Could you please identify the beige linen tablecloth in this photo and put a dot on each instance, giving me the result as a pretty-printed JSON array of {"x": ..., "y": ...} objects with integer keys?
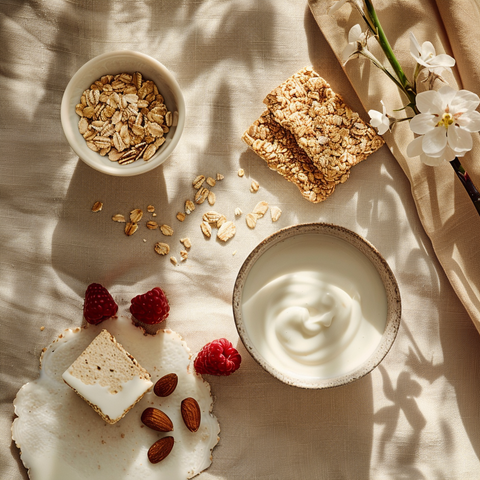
[{"x": 416, "y": 416}]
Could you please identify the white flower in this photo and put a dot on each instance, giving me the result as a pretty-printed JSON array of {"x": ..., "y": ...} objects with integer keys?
[
  {"x": 357, "y": 40},
  {"x": 379, "y": 120},
  {"x": 425, "y": 55},
  {"x": 358, "y": 4},
  {"x": 445, "y": 124}
]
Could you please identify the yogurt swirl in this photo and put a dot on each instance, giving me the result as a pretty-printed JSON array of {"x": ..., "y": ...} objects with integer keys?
[{"x": 309, "y": 324}]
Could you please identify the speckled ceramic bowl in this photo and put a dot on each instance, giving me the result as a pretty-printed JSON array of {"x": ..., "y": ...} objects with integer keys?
[
  {"x": 286, "y": 244},
  {"x": 119, "y": 62}
]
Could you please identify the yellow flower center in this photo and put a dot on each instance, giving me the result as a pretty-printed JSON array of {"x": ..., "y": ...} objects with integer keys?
[{"x": 446, "y": 121}]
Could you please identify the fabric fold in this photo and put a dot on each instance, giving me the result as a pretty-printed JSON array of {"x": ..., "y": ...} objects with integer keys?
[{"x": 444, "y": 207}]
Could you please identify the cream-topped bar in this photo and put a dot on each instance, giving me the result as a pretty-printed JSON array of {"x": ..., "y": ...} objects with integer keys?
[{"x": 108, "y": 378}]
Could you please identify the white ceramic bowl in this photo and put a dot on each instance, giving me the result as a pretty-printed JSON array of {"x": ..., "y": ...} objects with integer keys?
[
  {"x": 343, "y": 259},
  {"x": 113, "y": 63}
]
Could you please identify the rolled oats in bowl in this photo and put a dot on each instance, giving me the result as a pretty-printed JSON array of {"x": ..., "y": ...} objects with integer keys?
[
  {"x": 123, "y": 113},
  {"x": 123, "y": 116}
]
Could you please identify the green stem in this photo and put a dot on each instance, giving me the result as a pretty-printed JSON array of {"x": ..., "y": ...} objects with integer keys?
[
  {"x": 398, "y": 120},
  {"x": 418, "y": 68},
  {"x": 387, "y": 49},
  {"x": 373, "y": 59}
]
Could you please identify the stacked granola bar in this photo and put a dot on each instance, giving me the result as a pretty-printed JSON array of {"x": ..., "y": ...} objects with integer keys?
[{"x": 309, "y": 136}]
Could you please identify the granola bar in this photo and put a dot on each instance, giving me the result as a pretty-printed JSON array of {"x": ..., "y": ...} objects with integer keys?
[
  {"x": 330, "y": 133},
  {"x": 278, "y": 147}
]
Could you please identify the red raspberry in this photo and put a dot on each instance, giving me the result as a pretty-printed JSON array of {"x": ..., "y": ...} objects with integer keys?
[
  {"x": 151, "y": 307},
  {"x": 217, "y": 358},
  {"x": 99, "y": 304}
]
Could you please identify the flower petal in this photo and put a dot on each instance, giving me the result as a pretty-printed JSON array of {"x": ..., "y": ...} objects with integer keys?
[
  {"x": 384, "y": 107},
  {"x": 348, "y": 52},
  {"x": 428, "y": 50},
  {"x": 415, "y": 49},
  {"x": 464, "y": 101},
  {"x": 375, "y": 116},
  {"x": 459, "y": 140},
  {"x": 430, "y": 102},
  {"x": 422, "y": 123},
  {"x": 447, "y": 94},
  {"x": 469, "y": 121},
  {"x": 414, "y": 148},
  {"x": 448, "y": 155},
  {"x": 355, "y": 33},
  {"x": 441, "y": 60},
  {"x": 379, "y": 120},
  {"x": 432, "y": 161},
  {"x": 434, "y": 141}
]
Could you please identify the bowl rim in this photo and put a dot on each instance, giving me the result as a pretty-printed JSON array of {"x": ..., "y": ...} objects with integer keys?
[
  {"x": 394, "y": 304},
  {"x": 114, "y": 169}
]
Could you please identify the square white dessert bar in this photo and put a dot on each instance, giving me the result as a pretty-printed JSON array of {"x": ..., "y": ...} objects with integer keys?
[{"x": 108, "y": 378}]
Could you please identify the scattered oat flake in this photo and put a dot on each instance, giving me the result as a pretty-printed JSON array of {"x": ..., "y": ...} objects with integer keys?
[
  {"x": 251, "y": 219},
  {"x": 186, "y": 242},
  {"x": 189, "y": 207},
  {"x": 161, "y": 248},
  {"x": 226, "y": 231},
  {"x": 151, "y": 225},
  {"x": 211, "y": 181},
  {"x": 130, "y": 228},
  {"x": 184, "y": 255},
  {"x": 154, "y": 214},
  {"x": 136, "y": 215},
  {"x": 118, "y": 218},
  {"x": 173, "y": 260},
  {"x": 234, "y": 252},
  {"x": 150, "y": 208},
  {"x": 241, "y": 172},
  {"x": 220, "y": 176},
  {"x": 254, "y": 186},
  {"x": 211, "y": 198},
  {"x": 260, "y": 209},
  {"x": 275, "y": 212},
  {"x": 221, "y": 221},
  {"x": 211, "y": 216},
  {"x": 201, "y": 195},
  {"x": 198, "y": 182},
  {"x": 180, "y": 216},
  {"x": 206, "y": 229},
  {"x": 238, "y": 211},
  {"x": 42, "y": 328},
  {"x": 97, "y": 206},
  {"x": 166, "y": 230}
]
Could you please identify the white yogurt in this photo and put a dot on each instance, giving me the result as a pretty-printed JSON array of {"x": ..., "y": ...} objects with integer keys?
[{"x": 314, "y": 306}]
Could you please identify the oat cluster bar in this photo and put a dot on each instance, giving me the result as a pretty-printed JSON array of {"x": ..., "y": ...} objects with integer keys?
[{"x": 310, "y": 136}]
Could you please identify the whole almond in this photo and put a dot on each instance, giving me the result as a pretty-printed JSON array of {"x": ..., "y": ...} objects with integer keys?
[
  {"x": 191, "y": 414},
  {"x": 157, "y": 420},
  {"x": 166, "y": 385},
  {"x": 160, "y": 449}
]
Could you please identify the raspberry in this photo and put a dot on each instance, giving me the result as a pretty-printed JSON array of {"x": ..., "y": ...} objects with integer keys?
[
  {"x": 99, "y": 304},
  {"x": 151, "y": 307},
  {"x": 217, "y": 358}
]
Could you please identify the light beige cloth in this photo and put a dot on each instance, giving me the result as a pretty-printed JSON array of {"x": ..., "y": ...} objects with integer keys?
[
  {"x": 444, "y": 208},
  {"x": 416, "y": 416}
]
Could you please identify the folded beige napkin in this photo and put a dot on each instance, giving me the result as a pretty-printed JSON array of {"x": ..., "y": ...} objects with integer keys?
[{"x": 445, "y": 210}]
